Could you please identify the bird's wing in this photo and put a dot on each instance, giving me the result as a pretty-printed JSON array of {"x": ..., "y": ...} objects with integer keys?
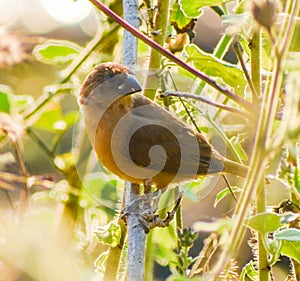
[{"x": 162, "y": 140}]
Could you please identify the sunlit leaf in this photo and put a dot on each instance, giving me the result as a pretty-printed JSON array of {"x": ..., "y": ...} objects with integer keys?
[
  {"x": 264, "y": 222},
  {"x": 289, "y": 217},
  {"x": 4, "y": 104},
  {"x": 56, "y": 51},
  {"x": 11, "y": 103},
  {"x": 213, "y": 67},
  {"x": 295, "y": 44},
  {"x": 193, "y": 8},
  {"x": 217, "y": 226},
  {"x": 109, "y": 234},
  {"x": 291, "y": 249},
  {"x": 225, "y": 192},
  {"x": 52, "y": 120},
  {"x": 250, "y": 272},
  {"x": 100, "y": 262},
  {"x": 177, "y": 16},
  {"x": 290, "y": 234},
  {"x": 48, "y": 118},
  {"x": 101, "y": 190}
]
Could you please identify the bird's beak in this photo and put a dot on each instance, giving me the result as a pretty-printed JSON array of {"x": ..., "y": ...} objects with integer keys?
[{"x": 129, "y": 86}]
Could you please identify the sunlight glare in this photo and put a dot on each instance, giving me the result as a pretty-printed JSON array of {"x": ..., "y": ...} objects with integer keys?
[
  {"x": 67, "y": 11},
  {"x": 8, "y": 12}
]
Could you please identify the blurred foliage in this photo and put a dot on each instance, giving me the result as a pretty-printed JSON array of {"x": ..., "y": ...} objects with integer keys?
[{"x": 59, "y": 207}]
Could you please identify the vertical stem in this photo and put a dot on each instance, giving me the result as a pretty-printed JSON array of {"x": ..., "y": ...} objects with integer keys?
[
  {"x": 161, "y": 22},
  {"x": 263, "y": 264},
  {"x": 136, "y": 235},
  {"x": 255, "y": 64}
]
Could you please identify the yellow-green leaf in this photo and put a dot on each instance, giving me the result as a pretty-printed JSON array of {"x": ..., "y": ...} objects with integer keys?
[{"x": 214, "y": 67}]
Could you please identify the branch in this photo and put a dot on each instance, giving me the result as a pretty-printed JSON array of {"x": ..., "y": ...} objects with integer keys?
[
  {"x": 136, "y": 236},
  {"x": 215, "y": 104}
]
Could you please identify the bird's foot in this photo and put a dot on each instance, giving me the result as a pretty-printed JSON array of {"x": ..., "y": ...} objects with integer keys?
[
  {"x": 152, "y": 220},
  {"x": 145, "y": 205}
]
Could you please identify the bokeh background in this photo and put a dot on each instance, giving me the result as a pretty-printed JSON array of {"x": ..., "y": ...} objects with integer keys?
[{"x": 35, "y": 247}]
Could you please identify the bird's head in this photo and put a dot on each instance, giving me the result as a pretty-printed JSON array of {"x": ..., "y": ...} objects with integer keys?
[{"x": 108, "y": 81}]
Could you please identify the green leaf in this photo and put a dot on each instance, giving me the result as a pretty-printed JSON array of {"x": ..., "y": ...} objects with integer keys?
[
  {"x": 193, "y": 8},
  {"x": 225, "y": 192},
  {"x": 291, "y": 249},
  {"x": 11, "y": 103},
  {"x": 103, "y": 190},
  {"x": 295, "y": 44},
  {"x": 290, "y": 234},
  {"x": 109, "y": 234},
  {"x": 177, "y": 16},
  {"x": 211, "y": 66},
  {"x": 249, "y": 271},
  {"x": 289, "y": 217},
  {"x": 4, "y": 103},
  {"x": 48, "y": 118},
  {"x": 264, "y": 222},
  {"x": 100, "y": 262},
  {"x": 52, "y": 120},
  {"x": 56, "y": 51},
  {"x": 218, "y": 226}
]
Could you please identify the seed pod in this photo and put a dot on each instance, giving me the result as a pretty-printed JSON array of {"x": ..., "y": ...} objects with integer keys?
[{"x": 264, "y": 12}]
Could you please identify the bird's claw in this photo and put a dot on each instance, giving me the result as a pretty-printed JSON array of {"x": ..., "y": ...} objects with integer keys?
[
  {"x": 145, "y": 207},
  {"x": 152, "y": 220}
]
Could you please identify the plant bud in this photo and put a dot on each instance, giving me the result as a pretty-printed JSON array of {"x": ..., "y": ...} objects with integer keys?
[{"x": 263, "y": 12}]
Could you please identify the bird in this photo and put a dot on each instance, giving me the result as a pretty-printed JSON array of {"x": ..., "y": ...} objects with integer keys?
[{"x": 138, "y": 140}]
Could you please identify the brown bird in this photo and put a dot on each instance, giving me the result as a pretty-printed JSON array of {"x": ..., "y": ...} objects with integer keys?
[{"x": 137, "y": 139}]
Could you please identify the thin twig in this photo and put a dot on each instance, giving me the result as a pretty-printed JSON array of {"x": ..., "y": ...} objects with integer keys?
[
  {"x": 183, "y": 104},
  {"x": 238, "y": 52},
  {"x": 215, "y": 104},
  {"x": 32, "y": 180},
  {"x": 24, "y": 195}
]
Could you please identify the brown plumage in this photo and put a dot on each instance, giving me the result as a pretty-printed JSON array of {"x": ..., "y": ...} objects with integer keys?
[{"x": 136, "y": 139}]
